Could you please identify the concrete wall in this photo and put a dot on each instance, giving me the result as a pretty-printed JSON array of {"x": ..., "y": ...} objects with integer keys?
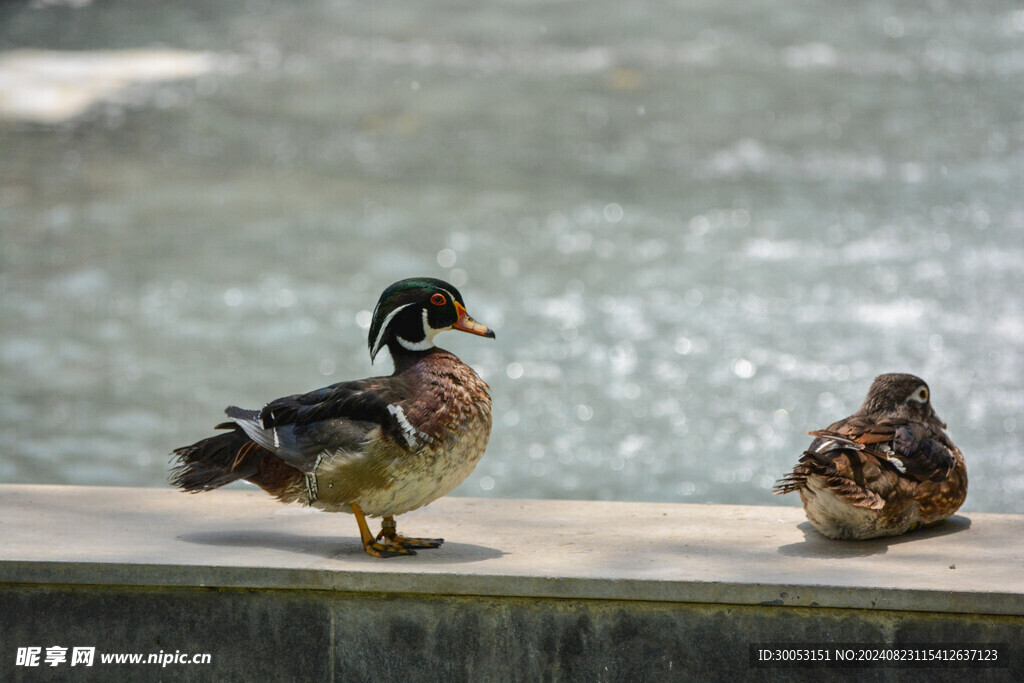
[
  {"x": 325, "y": 635},
  {"x": 580, "y": 597}
]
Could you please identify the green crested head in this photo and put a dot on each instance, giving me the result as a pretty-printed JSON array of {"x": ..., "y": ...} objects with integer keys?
[{"x": 411, "y": 312}]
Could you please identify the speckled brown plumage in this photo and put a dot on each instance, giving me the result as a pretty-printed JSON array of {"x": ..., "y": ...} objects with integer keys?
[{"x": 886, "y": 469}]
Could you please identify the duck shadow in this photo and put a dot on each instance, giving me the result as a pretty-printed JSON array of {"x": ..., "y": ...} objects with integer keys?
[
  {"x": 337, "y": 547},
  {"x": 819, "y": 546}
]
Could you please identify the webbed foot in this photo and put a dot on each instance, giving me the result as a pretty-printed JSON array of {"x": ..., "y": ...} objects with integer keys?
[
  {"x": 407, "y": 542},
  {"x": 387, "y": 549},
  {"x": 389, "y": 531},
  {"x": 382, "y": 546}
]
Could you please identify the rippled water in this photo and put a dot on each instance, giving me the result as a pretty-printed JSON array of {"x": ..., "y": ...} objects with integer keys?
[{"x": 699, "y": 229}]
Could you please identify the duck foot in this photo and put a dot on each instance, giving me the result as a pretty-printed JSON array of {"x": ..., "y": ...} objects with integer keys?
[
  {"x": 389, "y": 531},
  {"x": 410, "y": 543},
  {"x": 387, "y": 549},
  {"x": 382, "y": 546}
]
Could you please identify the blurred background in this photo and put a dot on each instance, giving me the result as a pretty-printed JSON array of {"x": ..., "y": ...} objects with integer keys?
[{"x": 698, "y": 228}]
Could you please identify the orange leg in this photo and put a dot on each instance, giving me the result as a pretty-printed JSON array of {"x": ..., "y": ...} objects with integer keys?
[
  {"x": 389, "y": 530},
  {"x": 373, "y": 546}
]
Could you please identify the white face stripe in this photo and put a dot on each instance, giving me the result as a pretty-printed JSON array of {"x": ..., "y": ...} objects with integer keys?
[
  {"x": 428, "y": 332},
  {"x": 384, "y": 328},
  {"x": 451, "y": 297}
]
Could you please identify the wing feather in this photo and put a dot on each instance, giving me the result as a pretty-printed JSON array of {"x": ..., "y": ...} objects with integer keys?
[
  {"x": 335, "y": 419},
  {"x": 865, "y": 461}
]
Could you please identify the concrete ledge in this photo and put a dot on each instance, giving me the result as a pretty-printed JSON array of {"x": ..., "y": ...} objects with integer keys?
[
  {"x": 508, "y": 548},
  {"x": 152, "y": 569}
]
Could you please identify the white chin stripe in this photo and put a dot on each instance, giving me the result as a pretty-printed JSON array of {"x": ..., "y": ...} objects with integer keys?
[
  {"x": 428, "y": 337},
  {"x": 415, "y": 346}
]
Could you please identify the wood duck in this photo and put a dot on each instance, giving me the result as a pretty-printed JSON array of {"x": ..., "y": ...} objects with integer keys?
[
  {"x": 885, "y": 470},
  {"x": 375, "y": 447}
]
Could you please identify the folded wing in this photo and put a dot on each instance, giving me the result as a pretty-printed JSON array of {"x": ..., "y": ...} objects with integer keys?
[{"x": 336, "y": 420}]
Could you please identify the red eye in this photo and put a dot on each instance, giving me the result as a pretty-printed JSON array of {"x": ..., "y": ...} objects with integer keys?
[{"x": 438, "y": 300}]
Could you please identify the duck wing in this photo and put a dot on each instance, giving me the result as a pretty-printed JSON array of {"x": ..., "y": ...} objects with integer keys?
[
  {"x": 338, "y": 419},
  {"x": 850, "y": 459},
  {"x": 865, "y": 461}
]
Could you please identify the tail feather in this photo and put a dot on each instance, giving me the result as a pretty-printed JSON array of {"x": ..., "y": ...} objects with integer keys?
[
  {"x": 216, "y": 461},
  {"x": 222, "y": 459},
  {"x": 236, "y": 413},
  {"x": 794, "y": 481}
]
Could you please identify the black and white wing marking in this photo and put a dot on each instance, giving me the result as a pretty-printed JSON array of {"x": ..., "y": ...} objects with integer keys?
[{"x": 300, "y": 428}]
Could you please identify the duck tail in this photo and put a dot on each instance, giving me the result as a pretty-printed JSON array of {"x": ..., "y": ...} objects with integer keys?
[
  {"x": 794, "y": 481},
  {"x": 216, "y": 461}
]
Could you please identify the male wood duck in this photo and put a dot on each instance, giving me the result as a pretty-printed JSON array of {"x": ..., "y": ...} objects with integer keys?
[
  {"x": 885, "y": 470},
  {"x": 375, "y": 447}
]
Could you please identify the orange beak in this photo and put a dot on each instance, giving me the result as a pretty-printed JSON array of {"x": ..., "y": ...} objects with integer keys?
[{"x": 467, "y": 324}]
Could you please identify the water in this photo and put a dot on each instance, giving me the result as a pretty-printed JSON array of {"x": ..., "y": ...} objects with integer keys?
[{"x": 698, "y": 229}]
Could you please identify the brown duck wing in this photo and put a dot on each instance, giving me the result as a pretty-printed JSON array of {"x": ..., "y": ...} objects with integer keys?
[
  {"x": 934, "y": 467},
  {"x": 923, "y": 449},
  {"x": 868, "y": 462},
  {"x": 859, "y": 477},
  {"x": 859, "y": 429},
  {"x": 926, "y": 451},
  {"x": 939, "y": 499},
  {"x": 849, "y": 457}
]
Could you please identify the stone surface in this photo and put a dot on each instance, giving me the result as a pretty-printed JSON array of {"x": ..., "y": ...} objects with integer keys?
[
  {"x": 734, "y": 555},
  {"x": 279, "y": 635}
]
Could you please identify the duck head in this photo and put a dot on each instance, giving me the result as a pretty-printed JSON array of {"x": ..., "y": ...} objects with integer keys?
[
  {"x": 411, "y": 312},
  {"x": 898, "y": 395}
]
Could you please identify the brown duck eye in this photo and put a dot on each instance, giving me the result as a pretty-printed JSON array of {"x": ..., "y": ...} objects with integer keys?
[
  {"x": 438, "y": 300},
  {"x": 923, "y": 394}
]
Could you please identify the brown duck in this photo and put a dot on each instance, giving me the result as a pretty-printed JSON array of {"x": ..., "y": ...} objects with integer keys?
[
  {"x": 885, "y": 470},
  {"x": 375, "y": 447}
]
